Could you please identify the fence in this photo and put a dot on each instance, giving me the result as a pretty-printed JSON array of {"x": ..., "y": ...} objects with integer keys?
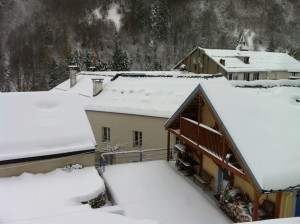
[{"x": 131, "y": 156}]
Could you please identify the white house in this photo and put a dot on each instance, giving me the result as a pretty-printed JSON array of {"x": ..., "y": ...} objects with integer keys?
[{"x": 130, "y": 109}]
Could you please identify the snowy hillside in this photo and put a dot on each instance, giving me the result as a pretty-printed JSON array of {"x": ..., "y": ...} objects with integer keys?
[{"x": 39, "y": 38}]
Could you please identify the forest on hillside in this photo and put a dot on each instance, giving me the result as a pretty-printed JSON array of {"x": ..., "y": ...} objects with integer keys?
[{"x": 40, "y": 38}]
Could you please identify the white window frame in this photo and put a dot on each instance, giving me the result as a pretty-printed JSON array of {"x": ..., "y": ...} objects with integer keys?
[
  {"x": 137, "y": 138},
  {"x": 105, "y": 134}
]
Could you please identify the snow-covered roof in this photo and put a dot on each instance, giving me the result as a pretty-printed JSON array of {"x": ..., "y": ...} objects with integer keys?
[
  {"x": 156, "y": 190},
  {"x": 56, "y": 197},
  {"x": 258, "y": 61},
  {"x": 158, "y": 94},
  {"x": 264, "y": 124},
  {"x": 42, "y": 123}
]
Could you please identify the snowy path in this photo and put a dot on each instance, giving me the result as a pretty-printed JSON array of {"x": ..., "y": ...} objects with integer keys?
[{"x": 155, "y": 190}]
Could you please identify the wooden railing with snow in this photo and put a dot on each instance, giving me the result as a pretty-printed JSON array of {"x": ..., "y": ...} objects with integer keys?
[{"x": 203, "y": 136}]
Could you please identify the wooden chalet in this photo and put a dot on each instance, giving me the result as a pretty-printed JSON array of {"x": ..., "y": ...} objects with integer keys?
[
  {"x": 208, "y": 136},
  {"x": 240, "y": 64}
]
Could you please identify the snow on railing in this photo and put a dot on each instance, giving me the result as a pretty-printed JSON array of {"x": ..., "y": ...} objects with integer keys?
[{"x": 117, "y": 157}]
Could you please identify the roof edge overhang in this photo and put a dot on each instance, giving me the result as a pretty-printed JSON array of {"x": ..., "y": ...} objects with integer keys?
[
  {"x": 182, "y": 107},
  {"x": 46, "y": 157},
  {"x": 196, "y": 48}
]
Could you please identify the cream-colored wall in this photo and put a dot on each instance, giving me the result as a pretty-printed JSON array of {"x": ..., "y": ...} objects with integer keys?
[
  {"x": 122, "y": 127},
  {"x": 207, "y": 118},
  {"x": 44, "y": 166},
  {"x": 210, "y": 167},
  {"x": 286, "y": 209},
  {"x": 286, "y": 205},
  {"x": 282, "y": 75},
  {"x": 244, "y": 186}
]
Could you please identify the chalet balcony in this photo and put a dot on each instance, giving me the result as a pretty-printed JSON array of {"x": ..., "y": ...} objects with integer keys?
[
  {"x": 206, "y": 140},
  {"x": 203, "y": 136}
]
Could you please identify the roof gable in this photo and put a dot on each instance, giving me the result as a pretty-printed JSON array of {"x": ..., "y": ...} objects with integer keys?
[
  {"x": 258, "y": 61},
  {"x": 263, "y": 124}
]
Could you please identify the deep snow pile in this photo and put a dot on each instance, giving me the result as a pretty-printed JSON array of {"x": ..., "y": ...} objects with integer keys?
[
  {"x": 43, "y": 123},
  {"x": 39, "y": 195},
  {"x": 156, "y": 190},
  {"x": 280, "y": 221},
  {"x": 56, "y": 197}
]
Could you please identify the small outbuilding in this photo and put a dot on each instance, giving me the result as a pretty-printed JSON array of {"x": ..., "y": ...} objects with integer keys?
[{"x": 42, "y": 131}]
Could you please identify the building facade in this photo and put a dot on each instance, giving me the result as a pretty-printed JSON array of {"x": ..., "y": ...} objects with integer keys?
[
  {"x": 228, "y": 135},
  {"x": 130, "y": 109},
  {"x": 241, "y": 65}
]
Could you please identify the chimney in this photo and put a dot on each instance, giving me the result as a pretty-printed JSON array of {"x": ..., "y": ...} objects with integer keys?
[
  {"x": 222, "y": 61},
  {"x": 73, "y": 72},
  {"x": 97, "y": 86},
  {"x": 246, "y": 60}
]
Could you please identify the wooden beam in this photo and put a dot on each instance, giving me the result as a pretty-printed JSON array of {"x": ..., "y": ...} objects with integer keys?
[
  {"x": 200, "y": 158},
  {"x": 277, "y": 205},
  {"x": 255, "y": 206},
  {"x": 215, "y": 159},
  {"x": 168, "y": 146}
]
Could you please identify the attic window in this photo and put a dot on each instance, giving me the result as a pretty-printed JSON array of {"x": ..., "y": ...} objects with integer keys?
[{"x": 194, "y": 61}]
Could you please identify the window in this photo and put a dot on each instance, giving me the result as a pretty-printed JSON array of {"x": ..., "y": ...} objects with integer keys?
[
  {"x": 256, "y": 76},
  {"x": 230, "y": 76},
  {"x": 246, "y": 76},
  {"x": 177, "y": 140},
  {"x": 200, "y": 62},
  {"x": 194, "y": 61},
  {"x": 105, "y": 134},
  {"x": 137, "y": 138}
]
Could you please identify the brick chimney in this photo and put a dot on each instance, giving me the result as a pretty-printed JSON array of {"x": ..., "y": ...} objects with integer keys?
[
  {"x": 97, "y": 86},
  {"x": 73, "y": 69}
]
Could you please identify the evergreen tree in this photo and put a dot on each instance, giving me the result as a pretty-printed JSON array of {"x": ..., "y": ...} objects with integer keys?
[
  {"x": 155, "y": 66},
  {"x": 74, "y": 58},
  {"x": 48, "y": 35},
  {"x": 120, "y": 61},
  {"x": 271, "y": 46},
  {"x": 159, "y": 19},
  {"x": 101, "y": 65},
  {"x": 87, "y": 60},
  {"x": 63, "y": 73},
  {"x": 54, "y": 77}
]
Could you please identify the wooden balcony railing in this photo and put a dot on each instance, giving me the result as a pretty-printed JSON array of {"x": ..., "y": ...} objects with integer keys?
[{"x": 202, "y": 135}]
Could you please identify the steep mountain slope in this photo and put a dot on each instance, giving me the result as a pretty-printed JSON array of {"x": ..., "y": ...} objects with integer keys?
[{"x": 39, "y": 38}]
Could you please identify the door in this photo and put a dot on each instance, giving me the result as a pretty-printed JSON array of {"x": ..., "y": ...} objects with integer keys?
[{"x": 297, "y": 209}]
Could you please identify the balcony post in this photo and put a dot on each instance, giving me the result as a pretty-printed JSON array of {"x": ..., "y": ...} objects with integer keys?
[
  {"x": 255, "y": 206},
  {"x": 277, "y": 205},
  {"x": 168, "y": 146}
]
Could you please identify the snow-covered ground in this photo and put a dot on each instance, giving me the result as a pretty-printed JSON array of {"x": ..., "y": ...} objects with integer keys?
[
  {"x": 295, "y": 220},
  {"x": 55, "y": 197},
  {"x": 114, "y": 15},
  {"x": 156, "y": 190}
]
